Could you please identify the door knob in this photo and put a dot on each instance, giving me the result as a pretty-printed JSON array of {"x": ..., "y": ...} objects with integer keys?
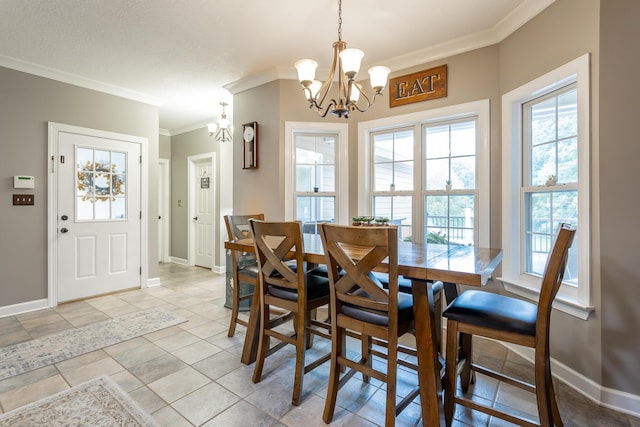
[
  {"x": 64, "y": 217},
  {"x": 64, "y": 230}
]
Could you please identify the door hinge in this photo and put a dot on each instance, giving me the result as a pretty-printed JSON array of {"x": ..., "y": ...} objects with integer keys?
[
  {"x": 140, "y": 159},
  {"x": 61, "y": 159},
  {"x": 140, "y": 214},
  {"x": 141, "y": 271}
]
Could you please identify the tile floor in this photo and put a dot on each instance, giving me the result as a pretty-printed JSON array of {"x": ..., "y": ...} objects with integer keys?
[{"x": 191, "y": 375}]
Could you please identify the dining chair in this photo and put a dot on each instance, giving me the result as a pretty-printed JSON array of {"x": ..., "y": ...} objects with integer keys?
[
  {"x": 360, "y": 304},
  {"x": 285, "y": 285},
  {"x": 244, "y": 267},
  {"x": 512, "y": 320}
]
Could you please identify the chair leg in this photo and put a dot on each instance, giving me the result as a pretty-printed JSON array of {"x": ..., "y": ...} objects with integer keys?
[
  {"x": 365, "y": 345},
  {"x": 337, "y": 349},
  {"x": 235, "y": 306},
  {"x": 451, "y": 367},
  {"x": 392, "y": 381},
  {"x": 547, "y": 405},
  {"x": 263, "y": 344},
  {"x": 301, "y": 343},
  {"x": 467, "y": 376}
]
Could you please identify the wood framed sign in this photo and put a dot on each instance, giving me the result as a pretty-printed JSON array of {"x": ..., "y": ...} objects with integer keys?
[{"x": 418, "y": 87}]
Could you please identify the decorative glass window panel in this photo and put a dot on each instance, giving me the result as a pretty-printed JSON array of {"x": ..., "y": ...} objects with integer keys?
[{"x": 100, "y": 184}]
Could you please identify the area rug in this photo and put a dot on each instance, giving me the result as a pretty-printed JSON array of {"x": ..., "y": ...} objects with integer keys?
[
  {"x": 29, "y": 355},
  {"x": 99, "y": 402}
]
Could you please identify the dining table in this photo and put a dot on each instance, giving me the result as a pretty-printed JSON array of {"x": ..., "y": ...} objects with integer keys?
[{"x": 423, "y": 264}]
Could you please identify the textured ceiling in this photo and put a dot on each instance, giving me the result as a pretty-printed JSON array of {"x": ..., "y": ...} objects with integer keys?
[{"x": 183, "y": 53}]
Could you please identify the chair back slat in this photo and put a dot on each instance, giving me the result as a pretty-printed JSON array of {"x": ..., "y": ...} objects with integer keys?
[
  {"x": 277, "y": 244},
  {"x": 554, "y": 273},
  {"x": 357, "y": 251}
]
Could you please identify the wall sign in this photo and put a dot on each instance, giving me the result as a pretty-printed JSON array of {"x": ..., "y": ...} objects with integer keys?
[{"x": 417, "y": 87}]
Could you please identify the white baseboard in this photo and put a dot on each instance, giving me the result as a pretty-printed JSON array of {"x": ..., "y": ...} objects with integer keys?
[
  {"x": 178, "y": 260},
  {"x": 23, "y": 307},
  {"x": 155, "y": 281},
  {"x": 613, "y": 399},
  {"x": 219, "y": 269}
]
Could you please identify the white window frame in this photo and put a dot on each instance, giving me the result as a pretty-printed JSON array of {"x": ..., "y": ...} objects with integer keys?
[
  {"x": 342, "y": 165},
  {"x": 480, "y": 110},
  {"x": 574, "y": 301}
]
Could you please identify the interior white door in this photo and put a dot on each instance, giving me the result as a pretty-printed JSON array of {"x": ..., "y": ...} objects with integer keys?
[
  {"x": 203, "y": 214},
  {"x": 99, "y": 217}
]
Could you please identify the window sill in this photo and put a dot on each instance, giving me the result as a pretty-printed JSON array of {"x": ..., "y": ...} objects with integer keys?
[{"x": 565, "y": 305}]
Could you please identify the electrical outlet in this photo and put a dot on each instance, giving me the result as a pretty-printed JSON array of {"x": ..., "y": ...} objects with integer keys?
[{"x": 23, "y": 199}]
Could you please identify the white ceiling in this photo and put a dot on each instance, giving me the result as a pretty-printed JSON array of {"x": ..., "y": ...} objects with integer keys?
[{"x": 182, "y": 54}]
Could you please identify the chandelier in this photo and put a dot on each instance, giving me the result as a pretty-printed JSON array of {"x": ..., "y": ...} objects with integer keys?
[
  {"x": 346, "y": 64},
  {"x": 221, "y": 129}
]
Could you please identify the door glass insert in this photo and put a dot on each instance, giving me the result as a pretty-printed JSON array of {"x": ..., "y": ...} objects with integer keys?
[{"x": 100, "y": 184}]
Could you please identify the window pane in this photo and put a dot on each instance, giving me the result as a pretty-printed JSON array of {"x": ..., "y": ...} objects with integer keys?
[
  {"x": 403, "y": 147},
  {"x": 382, "y": 174},
  {"x": 118, "y": 162},
  {"x": 568, "y": 114},
  {"x": 450, "y": 219},
  {"x": 463, "y": 172},
  {"x": 382, "y": 148},
  {"x": 84, "y": 208},
  {"x": 543, "y": 122},
  {"x": 404, "y": 176},
  {"x": 437, "y": 145},
  {"x": 313, "y": 210},
  {"x": 568, "y": 160},
  {"x": 84, "y": 159},
  {"x": 304, "y": 177},
  {"x": 326, "y": 179},
  {"x": 102, "y": 185},
  {"x": 101, "y": 207},
  {"x": 543, "y": 163},
  {"x": 463, "y": 139},
  {"x": 437, "y": 174},
  {"x": 118, "y": 186},
  {"x": 398, "y": 210},
  {"x": 103, "y": 161}
]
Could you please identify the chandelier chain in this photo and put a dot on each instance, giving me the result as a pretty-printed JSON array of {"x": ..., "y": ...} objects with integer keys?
[{"x": 339, "y": 20}]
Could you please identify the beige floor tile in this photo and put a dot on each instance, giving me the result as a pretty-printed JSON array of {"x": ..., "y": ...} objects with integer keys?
[
  {"x": 205, "y": 403},
  {"x": 92, "y": 370},
  {"x": 196, "y": 352},
  {"x": 179, "y": 384},
  {"x": 30, "y": 393}
]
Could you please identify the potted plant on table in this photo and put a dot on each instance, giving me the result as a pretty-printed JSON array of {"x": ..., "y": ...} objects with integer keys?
[{"x": 447, "y": 185}]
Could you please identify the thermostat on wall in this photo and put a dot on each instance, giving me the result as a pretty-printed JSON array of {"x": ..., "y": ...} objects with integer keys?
[{"x": 23, "y": 181}]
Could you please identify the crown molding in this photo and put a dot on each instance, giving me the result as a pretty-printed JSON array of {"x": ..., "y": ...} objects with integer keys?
[
  {"x": 73, "y": 79},
  {"x": 516, "y": 19}
]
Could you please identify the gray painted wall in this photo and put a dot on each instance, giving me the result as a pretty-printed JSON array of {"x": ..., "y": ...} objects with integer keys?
[
  {"x": 604, "y": 348},
  {"x": 619, "y": 205},
  {"x": 27, "y": 104}
]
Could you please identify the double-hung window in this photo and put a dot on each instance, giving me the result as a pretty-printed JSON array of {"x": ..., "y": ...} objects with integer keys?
[
  {"x": 316, "y": 182},
  {"x": 546, "y": 182},
  {"x": 428, "y": 173}
]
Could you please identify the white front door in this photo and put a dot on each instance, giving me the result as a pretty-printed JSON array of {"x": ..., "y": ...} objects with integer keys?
[
  {"x": 203, "y": 213},
  {"x": 99, "y": 217}
]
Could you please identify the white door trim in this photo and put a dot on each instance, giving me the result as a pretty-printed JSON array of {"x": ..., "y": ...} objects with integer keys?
[
  {"x": 54, "y": 130},
  {"x": 165, "y": 208},
  {"x": 191, "y": 177}
]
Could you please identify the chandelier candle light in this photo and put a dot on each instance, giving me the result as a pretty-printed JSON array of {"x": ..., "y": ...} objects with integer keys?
[
  {"x": 221, "y": 130},
  {"x": 350, "y": 92}
]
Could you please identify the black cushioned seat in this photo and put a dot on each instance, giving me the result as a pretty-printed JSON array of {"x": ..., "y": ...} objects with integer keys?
[
  {"x": 317, "y": 286},
  {"x": 494, "y": 311},
  {"x": 405, "y": 310}
]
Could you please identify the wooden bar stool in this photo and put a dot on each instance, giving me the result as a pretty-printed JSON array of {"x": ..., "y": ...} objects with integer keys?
[
  {"x": 244, "y": 267},
  {"x": 512, "y": 320}
]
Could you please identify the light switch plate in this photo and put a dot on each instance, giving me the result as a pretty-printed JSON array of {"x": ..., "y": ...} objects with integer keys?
[{"x": 23, "y": 199}]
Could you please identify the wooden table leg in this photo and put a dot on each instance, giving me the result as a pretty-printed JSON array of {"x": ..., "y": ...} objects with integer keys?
[
  {"x": 428, "y": 363},
  {"x": 250, "y": 348}
]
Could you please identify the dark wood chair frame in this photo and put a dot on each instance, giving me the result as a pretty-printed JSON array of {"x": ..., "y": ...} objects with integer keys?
[
  {"x": 548, "y": 412},
  {"x": 378, "y": 247},
  {"x": 283, "y": 268},
  {"x": 242, "y": 270}
]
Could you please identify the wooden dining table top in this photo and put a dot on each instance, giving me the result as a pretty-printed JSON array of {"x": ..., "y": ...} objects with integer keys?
[{"x": 449, "y": 263}]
